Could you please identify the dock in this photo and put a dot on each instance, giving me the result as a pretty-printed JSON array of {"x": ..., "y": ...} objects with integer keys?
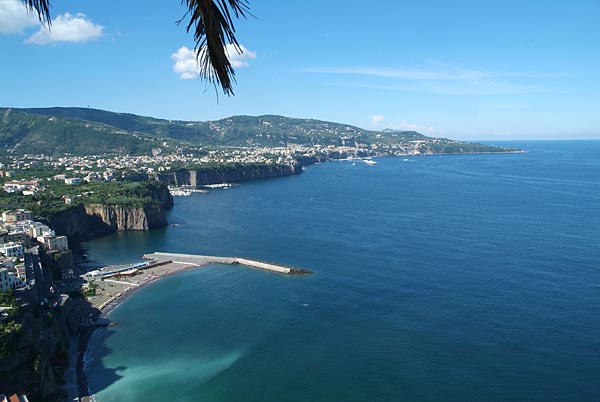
[{"x": 202, "y": 260}]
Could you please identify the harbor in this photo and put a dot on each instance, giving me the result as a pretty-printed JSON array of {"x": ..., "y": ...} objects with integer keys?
[{"x": 112, "y": 283}]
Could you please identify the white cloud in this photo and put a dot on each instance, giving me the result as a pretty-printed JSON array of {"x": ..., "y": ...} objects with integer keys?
[
  {"x": 14, "y": 17},
  {"x": 186, "y": 65},
  {"x": 439, "y": 73},
  {"x": 376, "y": 120},
  {"x": 441, "y": 79},
  {"x": 239, "y": 60},
  {"x": 67, "y": 28}
]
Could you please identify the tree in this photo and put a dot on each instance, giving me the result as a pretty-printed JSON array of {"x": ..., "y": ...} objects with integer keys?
[{"x": 212, "y": 24}]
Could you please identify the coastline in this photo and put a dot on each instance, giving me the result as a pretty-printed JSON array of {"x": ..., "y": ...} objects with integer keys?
[
  {"x": 111, "y": 293},
  {"x": 151, "y": 275},
  {"x": 148, "y": 277}
]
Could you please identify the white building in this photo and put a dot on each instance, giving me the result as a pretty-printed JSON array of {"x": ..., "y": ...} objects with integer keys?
[
  {"x": 8, "y": 280},
  {"x": 12, "y": 250},
  {"x": 4, "y": 281},
  {"x": 16, "y": 215},
  {"x": 35, "y": 229},
  {"x": 73, "y": 180},
  {"x": 53, "y": 242}
]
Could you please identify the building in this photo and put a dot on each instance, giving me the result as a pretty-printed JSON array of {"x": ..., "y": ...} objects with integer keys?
[
  {"x": 8, "y": 280},
  {"x": 12, "y": 250},
  {"x": 13, "y": 398},
  {"x": 53, "y": 242},
  {"x": 35, "y": 229},
  {"x": 4, "y": 281},
  {"x": 73, "y": 180},
  {"x": 18, "y": 186},
  {"x": 16, "y": 215}
]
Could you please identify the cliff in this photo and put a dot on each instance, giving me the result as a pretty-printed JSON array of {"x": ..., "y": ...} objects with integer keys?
[
  {"x": 117, "y": 218},
  {"x": 35, "y": 358},
  {"x": 89, "y": 220},
  {"x": 228, "y": 173}
]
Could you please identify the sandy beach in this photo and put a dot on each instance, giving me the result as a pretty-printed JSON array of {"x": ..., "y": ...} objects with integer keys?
[
  {"x": 110, "y": 293},
  {"x": 114, "y": 285}
]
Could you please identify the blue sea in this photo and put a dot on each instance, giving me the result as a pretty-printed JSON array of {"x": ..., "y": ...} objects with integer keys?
[{"x": 458, "y": 278}]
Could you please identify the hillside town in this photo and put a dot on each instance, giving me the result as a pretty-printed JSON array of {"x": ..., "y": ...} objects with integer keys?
[
  {"x": 73, "y": 168},
  {"x": 20, "y": 240}
]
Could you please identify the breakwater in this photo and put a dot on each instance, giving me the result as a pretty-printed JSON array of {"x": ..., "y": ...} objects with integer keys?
[{"x": 200, "y": 260}]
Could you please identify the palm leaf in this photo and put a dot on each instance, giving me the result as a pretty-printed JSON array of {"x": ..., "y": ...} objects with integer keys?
[
  {"x": 41, "y": 7},
  {"x": 212, "y": 24}
]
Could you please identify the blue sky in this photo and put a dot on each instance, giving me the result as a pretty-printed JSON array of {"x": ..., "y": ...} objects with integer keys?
[{"x": 461, "y": 69}]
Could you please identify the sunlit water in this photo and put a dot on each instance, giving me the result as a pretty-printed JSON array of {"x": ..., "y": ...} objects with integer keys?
[{"x": 454, "y": 278}]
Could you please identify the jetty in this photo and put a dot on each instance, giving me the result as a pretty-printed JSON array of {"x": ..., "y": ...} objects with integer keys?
[{"x": 193, "y": 260}]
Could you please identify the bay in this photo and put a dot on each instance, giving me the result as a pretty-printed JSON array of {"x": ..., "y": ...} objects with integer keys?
[{"x": 441, "y": 278}]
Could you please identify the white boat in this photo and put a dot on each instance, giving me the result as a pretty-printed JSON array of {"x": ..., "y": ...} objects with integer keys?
[{"x": 370, "y": 162}]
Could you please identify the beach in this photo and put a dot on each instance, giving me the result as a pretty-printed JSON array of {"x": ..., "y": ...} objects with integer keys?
[{"x": 113, "y": 290}]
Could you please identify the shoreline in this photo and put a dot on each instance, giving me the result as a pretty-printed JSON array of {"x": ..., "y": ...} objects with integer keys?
[
  {"x": 103, "y": 320},
  {"x": 111, "y": 293},
  {"x": 154, "y": 274}
]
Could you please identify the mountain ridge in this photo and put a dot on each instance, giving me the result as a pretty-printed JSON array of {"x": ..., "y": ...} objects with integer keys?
[{"x": 79, "y": 130}]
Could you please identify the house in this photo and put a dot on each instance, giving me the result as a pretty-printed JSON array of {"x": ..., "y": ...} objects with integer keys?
[
  {"x": 8, "y": 280},
  {"x": 16, "y": 215},
  {"x": 53, "y": 242},
  {"x": 73, "y": 180},
  {"x": 4, "y": 281},
  {"x": 18, "y": 186},
  {"x": 35, "y": 229},
  {"x": 12, "y": 250}
]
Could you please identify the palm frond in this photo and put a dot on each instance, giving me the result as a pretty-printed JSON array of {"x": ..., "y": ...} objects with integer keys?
[
  {"x": 42, "y": 8},
  {"x": 212, "y": 24}
]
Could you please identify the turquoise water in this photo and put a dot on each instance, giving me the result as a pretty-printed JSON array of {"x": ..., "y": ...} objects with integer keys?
[{"x": 453, "y": 278}]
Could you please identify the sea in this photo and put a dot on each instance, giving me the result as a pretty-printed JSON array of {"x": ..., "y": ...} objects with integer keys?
[{"x": 454, "y": 278}]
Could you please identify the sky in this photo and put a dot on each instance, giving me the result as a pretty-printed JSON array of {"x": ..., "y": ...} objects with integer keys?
[{"x": 473, "y": 70}]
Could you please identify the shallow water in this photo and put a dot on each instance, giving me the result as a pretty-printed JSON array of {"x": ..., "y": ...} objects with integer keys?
[{"x": 453, "y": 278}]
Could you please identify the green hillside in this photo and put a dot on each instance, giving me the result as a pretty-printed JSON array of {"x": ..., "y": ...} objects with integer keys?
[
  {"x": 92, "y": 131},
  {"x": 22, "y": 132}
]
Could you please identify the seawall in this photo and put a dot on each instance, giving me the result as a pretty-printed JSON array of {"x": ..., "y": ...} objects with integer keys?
[{"x": 200, "y": 260}]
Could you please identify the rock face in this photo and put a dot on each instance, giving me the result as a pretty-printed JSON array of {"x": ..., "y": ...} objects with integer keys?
[
  {"x": 87, "y": 221},
  {"x": 116, "y": 218},
  {"x": 34, "y": 352},
  {"x": 227, "y": 174}
]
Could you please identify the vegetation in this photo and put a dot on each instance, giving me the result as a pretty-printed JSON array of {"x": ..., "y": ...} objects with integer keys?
[
  {"x": 23, "y": 133},
  {"x": 82, "y": 131},
  {"x": 90, "y": 290},
  {"x": 7, "y": 299},
  {"x": 52, "y": 201},
  {"x": 9, "y": 330}
]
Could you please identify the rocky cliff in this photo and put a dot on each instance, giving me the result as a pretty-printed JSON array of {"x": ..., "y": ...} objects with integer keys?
[
  {"x": 37, "y": 355},
  {"x": 117, "y": 218},
  {"x": 233, "y": 173},
  {"x": 86, "y": 221}
]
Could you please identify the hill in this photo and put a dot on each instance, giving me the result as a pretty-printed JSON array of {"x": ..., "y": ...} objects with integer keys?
[
  {"x": 92, "y": 131},
  {"x": 22, "y": 132}
]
